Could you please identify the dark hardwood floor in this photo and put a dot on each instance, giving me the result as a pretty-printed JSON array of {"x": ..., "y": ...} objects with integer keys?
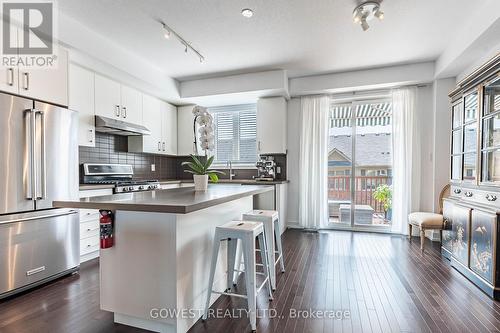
[{"x": 383, "y": 282}]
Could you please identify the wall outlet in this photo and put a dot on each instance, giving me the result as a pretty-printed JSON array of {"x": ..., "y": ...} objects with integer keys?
[
  {"x": 278, "y": 169},
  {"x": 153, "y": 167}
]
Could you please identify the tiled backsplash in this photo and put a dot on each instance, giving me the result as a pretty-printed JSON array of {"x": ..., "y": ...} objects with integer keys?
[{"x": 114, "y": 149}]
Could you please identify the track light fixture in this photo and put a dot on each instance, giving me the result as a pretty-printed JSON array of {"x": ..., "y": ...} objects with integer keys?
[
  {"x": 365, "y": 12},
  {"x": 168, "y": 32}
]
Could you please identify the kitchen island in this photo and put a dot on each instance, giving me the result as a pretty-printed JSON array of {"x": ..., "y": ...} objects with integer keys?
[{"x": 156, "y": 275}]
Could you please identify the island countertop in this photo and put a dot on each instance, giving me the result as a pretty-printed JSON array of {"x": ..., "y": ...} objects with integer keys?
[{"x": 178, "y": 200}]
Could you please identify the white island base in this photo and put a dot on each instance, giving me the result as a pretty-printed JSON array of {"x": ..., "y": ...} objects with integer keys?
[{"x": 160, "y": 265}]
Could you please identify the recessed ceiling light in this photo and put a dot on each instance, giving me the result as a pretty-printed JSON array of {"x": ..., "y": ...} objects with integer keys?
[{"x": 247, "y": 12}]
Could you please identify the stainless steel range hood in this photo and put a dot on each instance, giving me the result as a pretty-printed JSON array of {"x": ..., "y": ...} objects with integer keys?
[{"x": 119, "y": 127}]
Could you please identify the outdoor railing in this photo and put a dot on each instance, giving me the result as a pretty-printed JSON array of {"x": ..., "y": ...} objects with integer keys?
[{"x": 339, "y": 189}]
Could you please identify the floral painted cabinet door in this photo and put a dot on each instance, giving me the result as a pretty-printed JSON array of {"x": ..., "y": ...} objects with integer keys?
[
  {"x": 460, "y": 234},
  {"x": 482, "y": 243}
]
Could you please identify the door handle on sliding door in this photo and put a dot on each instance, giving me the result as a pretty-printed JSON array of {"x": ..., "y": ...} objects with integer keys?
[{"x": 43, "y": 162}]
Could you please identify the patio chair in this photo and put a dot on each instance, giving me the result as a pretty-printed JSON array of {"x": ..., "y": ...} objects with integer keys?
[{"x": 428, "y": 221}]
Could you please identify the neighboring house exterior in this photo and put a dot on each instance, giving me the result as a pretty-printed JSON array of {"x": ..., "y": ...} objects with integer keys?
[{"x": 373, "y": 157}]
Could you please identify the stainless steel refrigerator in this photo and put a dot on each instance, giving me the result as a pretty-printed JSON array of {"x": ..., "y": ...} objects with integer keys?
[{"x": 38, "y": 164}]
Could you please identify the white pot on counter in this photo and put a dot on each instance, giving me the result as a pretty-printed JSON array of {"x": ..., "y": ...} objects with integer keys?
[{"x": 200, "y": 182}]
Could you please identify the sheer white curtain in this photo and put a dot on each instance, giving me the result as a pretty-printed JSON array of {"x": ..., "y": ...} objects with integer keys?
[
  {"x": 406, "y": 157},
  {"x": 313, "y": 164}
]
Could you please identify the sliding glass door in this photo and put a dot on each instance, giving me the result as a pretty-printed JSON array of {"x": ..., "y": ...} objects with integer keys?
[{"x": 360, "y": 165}]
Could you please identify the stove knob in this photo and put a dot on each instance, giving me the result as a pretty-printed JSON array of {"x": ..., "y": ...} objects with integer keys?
[
  {"x": 124, "y": 189},
  {"x": 141, "y": 187},
  {"x": 131, "y": 188}
]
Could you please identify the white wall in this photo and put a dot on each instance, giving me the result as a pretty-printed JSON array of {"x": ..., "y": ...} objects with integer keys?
[
  {"x": 426, "y": 128},
  {"x": 98, "y": 53},
  {"x": 442, "y": 123}
]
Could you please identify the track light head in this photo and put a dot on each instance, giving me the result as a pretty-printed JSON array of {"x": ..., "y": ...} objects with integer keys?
[
  {"x": 379, "y": 14},
  {"x": 364, "y": 24},
  {"x": 166, "y": 32},
  {"x": 358, "y": 14}
]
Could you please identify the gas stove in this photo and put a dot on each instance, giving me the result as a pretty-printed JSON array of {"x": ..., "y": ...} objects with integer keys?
[{"x": 120, "y": 175}]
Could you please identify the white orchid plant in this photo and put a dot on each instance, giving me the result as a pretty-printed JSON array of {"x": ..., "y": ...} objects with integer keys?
[{"x": 205, "y": 133}]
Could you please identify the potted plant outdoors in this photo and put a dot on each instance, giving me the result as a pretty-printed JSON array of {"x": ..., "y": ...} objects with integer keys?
[
  {"x": 201, "y": 173},
  {"x": 383, "y": 194}
]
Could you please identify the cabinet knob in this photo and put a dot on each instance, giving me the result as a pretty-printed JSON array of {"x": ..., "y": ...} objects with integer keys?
[{"x": 491, "y": 197}]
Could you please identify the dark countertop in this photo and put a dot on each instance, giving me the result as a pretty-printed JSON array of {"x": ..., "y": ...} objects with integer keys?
[
  {"x": 84, "y": 187},
  {"x": 181, "y": 200}
]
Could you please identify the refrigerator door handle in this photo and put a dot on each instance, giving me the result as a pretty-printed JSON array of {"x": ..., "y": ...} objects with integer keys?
[
  {"x": 43, "y": 162},
  {"x": 31, "y": 140},
  {"x": 38, "y": 217}
]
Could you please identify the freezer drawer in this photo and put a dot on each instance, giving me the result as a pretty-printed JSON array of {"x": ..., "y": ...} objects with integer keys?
[{"x": 37, "y": 246}]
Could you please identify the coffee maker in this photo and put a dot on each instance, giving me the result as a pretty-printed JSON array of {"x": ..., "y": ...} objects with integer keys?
[{"x": 266, "y": 168}]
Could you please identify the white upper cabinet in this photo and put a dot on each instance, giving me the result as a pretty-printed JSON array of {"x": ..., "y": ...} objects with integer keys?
[
  {"x": 169, "y": 129},
  {"x": 107, "y": 97},
  {"x": 81, "y": 99},
  {"x": 185, "y": 136},
  {"x": 9, "y": 78},
  {"x": 118, "y": 101},
  {"x": 44, "y": 84},
  {"x": 151, "y": 120},
  {"x": 48, "y": 85},
  {"x": 131, "y": 105},
  {"x": 161, "y": 119},
  {"x": 271, "y": 125}
]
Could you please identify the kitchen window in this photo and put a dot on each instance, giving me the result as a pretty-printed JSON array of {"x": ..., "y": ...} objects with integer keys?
[{"x": 235, "y": 131}]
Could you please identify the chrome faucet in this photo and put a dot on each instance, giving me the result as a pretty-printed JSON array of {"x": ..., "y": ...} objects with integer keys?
[{"x": 231, "y": 174}]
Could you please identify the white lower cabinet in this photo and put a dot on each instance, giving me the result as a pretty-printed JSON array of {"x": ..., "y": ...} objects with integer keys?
[{"x": 89, "y": 226}]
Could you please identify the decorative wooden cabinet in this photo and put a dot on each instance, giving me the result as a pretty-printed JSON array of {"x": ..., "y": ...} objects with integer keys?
[
  {"x": 460, "y": 231},
  {"x": 470, "y": 239},
  {"x": 483, "y": 229}
]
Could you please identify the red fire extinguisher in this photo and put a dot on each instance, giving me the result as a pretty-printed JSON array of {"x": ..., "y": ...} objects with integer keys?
[{"x": 106, "y": 228}]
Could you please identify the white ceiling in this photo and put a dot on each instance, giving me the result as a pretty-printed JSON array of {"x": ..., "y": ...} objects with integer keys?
[{"x": 302, "y": 36}]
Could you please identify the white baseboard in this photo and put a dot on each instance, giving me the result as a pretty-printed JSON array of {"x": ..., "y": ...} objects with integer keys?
[{"x": 294, "y": 225}]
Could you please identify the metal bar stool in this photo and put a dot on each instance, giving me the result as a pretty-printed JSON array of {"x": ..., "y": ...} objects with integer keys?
[
  {"x": 272, "y": 231},
  {"x": 245, "y": 232}
]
